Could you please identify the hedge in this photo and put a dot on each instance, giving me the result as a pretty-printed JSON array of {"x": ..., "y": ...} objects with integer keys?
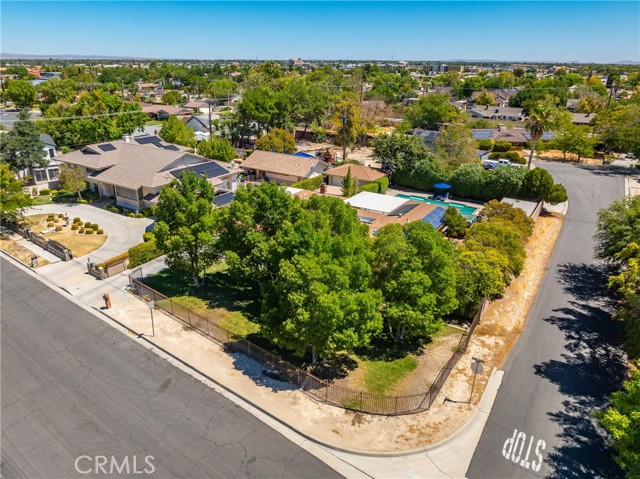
[
  {"x": 143, "y": 253},
  {"x": 508, "y": 155},
  {"x": 114, "y": 260},
  {"x": 501, "y": 146},
  {"x": 310, "y": 184},
  {"x": 384, "y": 184},
  {"x": 485, "y": 145},
  {"x": 371, "y": 187},
  {"x": 44, "y": 192}
]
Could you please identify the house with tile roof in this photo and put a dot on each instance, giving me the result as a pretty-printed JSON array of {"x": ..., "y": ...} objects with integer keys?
[
  {"x": 363, "y": 174},
  {"x": 281, "y": 168},
  {"x": 497, "y": 113},
  {"x": 134, "y": 170}
]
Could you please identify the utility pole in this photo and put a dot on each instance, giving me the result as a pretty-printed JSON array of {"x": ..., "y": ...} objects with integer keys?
[
  {"x": 477, "y": 368},
  {"x": 344, "y": 137},
  {"x": 122, "y": 87}
]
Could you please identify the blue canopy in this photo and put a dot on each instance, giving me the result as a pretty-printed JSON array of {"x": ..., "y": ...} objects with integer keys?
[{"x": 442, "y": 186}]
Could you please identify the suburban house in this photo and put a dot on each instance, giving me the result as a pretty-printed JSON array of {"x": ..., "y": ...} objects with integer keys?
[
  {"x": 198, "y": 106},
  {"x": 582, "y": 118},
  {"x": 46, "y": 177},
  {"x": 363, "y": 174},
  {"x": 497, "y": 113},
  {"x": 572, "y": 104},
  {"x": 199, "y": 125},
  {"x": 162, "y": 112},
  {"x": 428, "y": 136},
  {"x": 133, "y": 170},
  {"x": 281, "y": 168},
  {"x": 516, "y": 136}
]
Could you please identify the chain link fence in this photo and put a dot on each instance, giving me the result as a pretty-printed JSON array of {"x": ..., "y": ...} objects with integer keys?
[{"x": 316, "y": 388}]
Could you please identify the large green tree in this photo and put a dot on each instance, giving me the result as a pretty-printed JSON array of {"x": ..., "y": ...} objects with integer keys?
[
  {"x": 431, "y": 110},
  {"x": 185, "y": 226},
  {"x": 22, "y": 93},
  {"x": 479, "y": 274},
  {"x": 345, "y": 119},
  {"x": 577, "y": 140},
  {"x": 617, "y": 227},
  {"x": 278, "y": 140},
  {"x": 540, "y": 119},
  {"x": 414, "y": 270},
  {"x": 13, "y": 200},
  {"x": 456, "y": 146},
  {"x": 21, "y": 148},
  {"x": 176, "y": 131},
  {"x": 217, "y": 148},
  {"x": 398, "y": 151},
  {"x": 72, "y": 179}
]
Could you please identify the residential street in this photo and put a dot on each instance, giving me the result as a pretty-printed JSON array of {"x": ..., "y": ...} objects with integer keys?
[
  {"x": 73, "y": 385},
  {"x": 567, "y": 360}
]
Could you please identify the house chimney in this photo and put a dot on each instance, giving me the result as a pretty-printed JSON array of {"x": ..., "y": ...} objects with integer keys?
[
  {"x": 501, "y": 127},
  {"x": 126, "y": 138}
]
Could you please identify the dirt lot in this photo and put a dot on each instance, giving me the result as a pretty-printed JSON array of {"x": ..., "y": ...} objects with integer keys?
[
  {"x": 19, "y": 252},
  {"x": 556, "y": 155},
  {"x": 79, "y": 244}
]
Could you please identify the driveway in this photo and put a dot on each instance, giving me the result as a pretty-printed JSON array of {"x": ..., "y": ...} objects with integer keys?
[
  {"x": 123, "y": 232},
  {"x": 568, "y": 359}
]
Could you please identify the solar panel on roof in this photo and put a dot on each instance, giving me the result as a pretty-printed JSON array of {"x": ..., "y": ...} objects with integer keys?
[
  {"x": 144, "y": 140},
  {"x": 209, "y": 169},
  {"x": 107, "y": 147},
  {"x": 481, "y": 134},
  {"x": 366, "y": 219},
  {"x": 402, "y": 209},
  {"x": 435, "y": 218},
  {"x": 223, "y": 199},
  {"x": 171, "y": 147}
]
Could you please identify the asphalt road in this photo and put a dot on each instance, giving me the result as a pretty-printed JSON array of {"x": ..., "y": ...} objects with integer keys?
[
  {"x": 72, "y": 386},
  {"x": 567, "y": 360}
]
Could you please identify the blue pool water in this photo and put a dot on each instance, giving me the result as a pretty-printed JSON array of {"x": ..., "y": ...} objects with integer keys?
[{"x": 463, "y": 209}]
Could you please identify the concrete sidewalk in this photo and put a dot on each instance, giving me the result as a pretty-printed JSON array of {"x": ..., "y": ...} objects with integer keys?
[{"x": 292, "y": 411}]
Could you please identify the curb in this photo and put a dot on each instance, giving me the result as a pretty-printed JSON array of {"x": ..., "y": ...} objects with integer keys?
[
  {"x": 483, "y": 407},
  {"x": 627, "y": 186}
]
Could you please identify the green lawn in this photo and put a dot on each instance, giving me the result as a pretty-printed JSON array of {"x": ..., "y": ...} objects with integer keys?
[
  {"x": 41, "y": 200},
  {"x": 154, "y": 123},
  {"x": 231, "y": 306},
  {"x": 382, "y": 376}
]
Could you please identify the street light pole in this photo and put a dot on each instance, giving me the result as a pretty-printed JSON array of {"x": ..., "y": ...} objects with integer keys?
[
  {"x": 344, "y": 137},
  {"x": 477, "y": 366}
]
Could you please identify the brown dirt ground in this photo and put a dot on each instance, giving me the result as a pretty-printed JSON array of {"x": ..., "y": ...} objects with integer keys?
[
  {"x": 79, "y": 244},
  {"x": 556, "y": 155},
  {"x": 19, "y": 252}
]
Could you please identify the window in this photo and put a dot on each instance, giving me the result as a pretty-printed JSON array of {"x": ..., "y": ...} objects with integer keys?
[
  {"x": 40, "y": 175},
  {"x": 126, "y": 193},
  {"x": 52, "y": 153},
  {"x": 54, "y": 173}
]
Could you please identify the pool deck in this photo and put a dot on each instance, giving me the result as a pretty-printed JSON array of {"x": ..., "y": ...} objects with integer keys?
[{"x": 425, "y": 195}]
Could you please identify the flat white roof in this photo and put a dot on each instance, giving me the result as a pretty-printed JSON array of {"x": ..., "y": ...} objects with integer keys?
[
  {"x": 375, "y": 202},
  {"x": 527, "y": 206}
]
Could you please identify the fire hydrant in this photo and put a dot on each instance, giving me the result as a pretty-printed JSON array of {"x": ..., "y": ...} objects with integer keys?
[{"x": 107, "y": 301}]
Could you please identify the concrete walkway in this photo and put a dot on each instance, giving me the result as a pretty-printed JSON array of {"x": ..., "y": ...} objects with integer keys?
[{"x": 290, "y": 411}]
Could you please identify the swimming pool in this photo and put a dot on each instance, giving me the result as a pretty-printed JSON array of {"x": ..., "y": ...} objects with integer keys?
[{"x": 464, "y": 209}]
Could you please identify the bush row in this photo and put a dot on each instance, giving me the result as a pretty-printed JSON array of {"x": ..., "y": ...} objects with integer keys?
[{"x": 310, "y": 184}]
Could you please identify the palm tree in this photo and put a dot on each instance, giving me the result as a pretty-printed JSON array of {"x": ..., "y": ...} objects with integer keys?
[{"x": 541, "y": 118}]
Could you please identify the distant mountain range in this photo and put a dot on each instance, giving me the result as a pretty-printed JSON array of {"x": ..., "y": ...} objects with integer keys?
[{"x": 70, "y": 56}]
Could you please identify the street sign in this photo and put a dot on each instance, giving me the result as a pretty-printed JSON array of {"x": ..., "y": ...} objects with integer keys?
[{"x": 477, "y": 367}]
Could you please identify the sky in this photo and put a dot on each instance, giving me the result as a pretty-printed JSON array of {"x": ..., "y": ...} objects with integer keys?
[{"x": 584, "y": 31}]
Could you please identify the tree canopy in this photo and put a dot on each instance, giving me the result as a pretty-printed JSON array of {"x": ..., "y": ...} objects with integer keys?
[
  {"x": 13, "y": 200},
  {"x": 217, "y": 148},
  {"x": 21, "y": 148},
  {"x": 431, "y": 110},
  {"x": 175, "y": 131},
  {"x": 277, "y": 140}
]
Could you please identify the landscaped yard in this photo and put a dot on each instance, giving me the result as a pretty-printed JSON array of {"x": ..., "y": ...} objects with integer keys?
[
  {"x": 220, "y": 299},
  {"x": 41, "y": 200},
  {"x": 78, "y": 243}
]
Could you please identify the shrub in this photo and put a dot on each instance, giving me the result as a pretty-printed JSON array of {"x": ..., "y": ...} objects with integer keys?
[
  {"x": 131, "y": 215},
  {"x": 58, "y": 228},
  {"x": 74, "y": 226},
  {"x": 508, "y": 155},
  {"x": 50, "y": 217},
  {"x": 148, "y": 236},
  {"x": 143, "y": 253},
  {"x": 147, "y": 212},
  {"x": 54, "y": 192},
  {"x": 50, "y": 224},
  {"x": 82, "y": 202},
  {"x": 485, "y": 145},
  {"x": 100, "y": 232},
  {"x": 501, "y": 146},
  {"x": 81, "y": 231},
  {"x": 371, "y": 187},
  {"x": 77, "y": 220},
  {"x": 88, "y": 231},
  {"x": 455, "y": 222},
  {"x": 44, "y": 192},
  {"x": 310, "y": 184},
  {"x": 60, "y": 215},
  {"x": 384, "y": 184},
  {"x": 56, "y": 220},
  {"x": 115, "y": 259},
  {"x": 87, "y": 224},
  {"x": 94, "y": 226},
  {"x": 139, "y": 215},
  {"x": 113, "y": 209}
]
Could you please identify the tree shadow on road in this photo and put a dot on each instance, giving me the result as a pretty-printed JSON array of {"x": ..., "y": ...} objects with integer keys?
[
  {"x": 593, "y": 368},
  {"x": 587, "y": 283}
]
